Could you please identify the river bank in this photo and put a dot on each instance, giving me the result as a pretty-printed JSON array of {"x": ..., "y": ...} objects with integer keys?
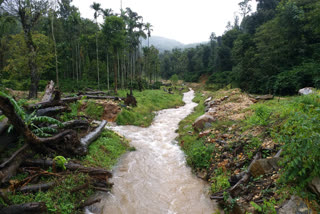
[{"x": 237, "y": 151}]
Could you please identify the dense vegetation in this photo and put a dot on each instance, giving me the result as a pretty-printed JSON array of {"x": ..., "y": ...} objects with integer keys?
[
  {"x": 273, "y": 50},
  {"x": 40, "y": 41}
]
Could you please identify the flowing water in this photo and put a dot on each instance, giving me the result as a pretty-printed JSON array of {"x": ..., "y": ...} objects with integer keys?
[{"x": 154, "y": 178}]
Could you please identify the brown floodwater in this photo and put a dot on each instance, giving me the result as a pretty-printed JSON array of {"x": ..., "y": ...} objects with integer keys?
[{"x": 155, "y": 179}]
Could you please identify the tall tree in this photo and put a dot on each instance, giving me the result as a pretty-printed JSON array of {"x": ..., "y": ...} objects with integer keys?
[
  {"x": 97, "y": 9},
  {"x": 29, "y": 12},
  {"x": 114, "y": 29}
]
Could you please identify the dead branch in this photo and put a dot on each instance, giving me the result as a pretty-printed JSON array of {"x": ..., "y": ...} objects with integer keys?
[
  {"x": 36, "y": 187},
  {"x": 88, "y": 203},
  {"x": 27, "y": 208}
]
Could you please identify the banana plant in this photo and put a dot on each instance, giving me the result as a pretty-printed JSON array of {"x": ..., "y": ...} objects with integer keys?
[{"x": 32, "y": 119}]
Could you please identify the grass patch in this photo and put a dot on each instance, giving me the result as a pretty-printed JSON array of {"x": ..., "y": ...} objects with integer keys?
[
  {"x": 149, "y": 101},
  {"x": 105, "y": 151},
  {"x": 198, "y": 154}
]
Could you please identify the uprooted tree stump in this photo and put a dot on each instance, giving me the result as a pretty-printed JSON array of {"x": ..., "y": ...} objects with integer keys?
[{"x": 130, "y": 100}]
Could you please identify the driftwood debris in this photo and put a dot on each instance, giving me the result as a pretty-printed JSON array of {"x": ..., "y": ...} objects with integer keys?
[
  {"x": 48, "y": 93},
  {"x": 36, "y": 187},
  {"x": 51, "y": 111},
  {"x": 27, "y": 208},
  {"x": 73, "y": 124},
  {"x": 72, "y": 166},
  {"x": 89, "y": 138}
]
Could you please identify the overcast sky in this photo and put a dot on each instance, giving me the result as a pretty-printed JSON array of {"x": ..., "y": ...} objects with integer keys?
[{"x": 187, "y": 21}]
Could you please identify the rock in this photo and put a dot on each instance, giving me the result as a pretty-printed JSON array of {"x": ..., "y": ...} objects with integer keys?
[
  {"x": 264, "y": 166},
  {"x": 315, "y": 186},
  {"x": 186, "y": 126},
  {"x": 306, "y": 91},
  {"x": 202, "y": 174},
  {"x": 294, "y": 206},
  {"x": 224, "y": 98},
  {"x": 204, "y": 133},
  {"x": 202, "y": 122},
  {"x": 207, "y": 100}
]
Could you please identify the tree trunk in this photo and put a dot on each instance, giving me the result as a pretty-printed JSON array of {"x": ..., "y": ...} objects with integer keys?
[
  {"x": 115, "y": 76},
  {"x": 97, "y": 51},
  {"x": 55, "y": 48},
  {"x": 108, "y": 70}
]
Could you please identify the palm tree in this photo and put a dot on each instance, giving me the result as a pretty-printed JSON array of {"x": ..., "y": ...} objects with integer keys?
[
  {"x": 97, "y": 9},
  {"x": 148, "y": 28}
]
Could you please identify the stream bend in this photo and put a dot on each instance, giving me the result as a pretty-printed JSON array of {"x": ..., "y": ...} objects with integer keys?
[{"x": 155, "y": 179}]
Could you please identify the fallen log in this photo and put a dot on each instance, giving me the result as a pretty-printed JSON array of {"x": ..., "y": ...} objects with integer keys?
[
  {"x": 88, "y": 139},
  {"x": 73, "y": 124},
  {"x": 15, "y": 161},
  {"x": 265, "y": 97},
  {"x": 103, "y": 97},
  {"x": 57, "y": 101},
  {"x": 48, "y": 93},
  {"x": 92, "y": 93},
  {"x": 4, "y": 164},
  {"x": 27, "y": 208},
  {"x": 92, "y": 171},
  {"x": 51, "y": 111},
  {"x": 36, "y": 187}
]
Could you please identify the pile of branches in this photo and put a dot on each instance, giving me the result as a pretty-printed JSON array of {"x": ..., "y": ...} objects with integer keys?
[{"x": 66, "y": 142}]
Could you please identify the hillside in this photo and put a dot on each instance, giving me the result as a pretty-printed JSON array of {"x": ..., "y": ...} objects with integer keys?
[{"x": 163, "y": 44}]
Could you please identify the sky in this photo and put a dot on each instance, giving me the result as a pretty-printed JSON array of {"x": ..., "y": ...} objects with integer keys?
[{"x": 187, "y": 21}]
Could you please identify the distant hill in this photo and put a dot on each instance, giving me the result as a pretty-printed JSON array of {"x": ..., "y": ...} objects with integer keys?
[{"x": 163, "y": 44}]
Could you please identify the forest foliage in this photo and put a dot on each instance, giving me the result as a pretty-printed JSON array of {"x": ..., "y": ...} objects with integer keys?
[
  {"x": 273, "y": 50},
  {"x": 74, "y": 51}
]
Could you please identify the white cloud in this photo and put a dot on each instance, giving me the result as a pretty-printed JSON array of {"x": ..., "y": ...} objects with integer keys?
[{"x": 188, "y": 21}]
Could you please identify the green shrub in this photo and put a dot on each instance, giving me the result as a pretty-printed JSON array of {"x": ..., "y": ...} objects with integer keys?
[
  {"x": 261, "y": 115},
  {"x": 219, "y": 182},
  {"x": 199, "y": 154}
]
